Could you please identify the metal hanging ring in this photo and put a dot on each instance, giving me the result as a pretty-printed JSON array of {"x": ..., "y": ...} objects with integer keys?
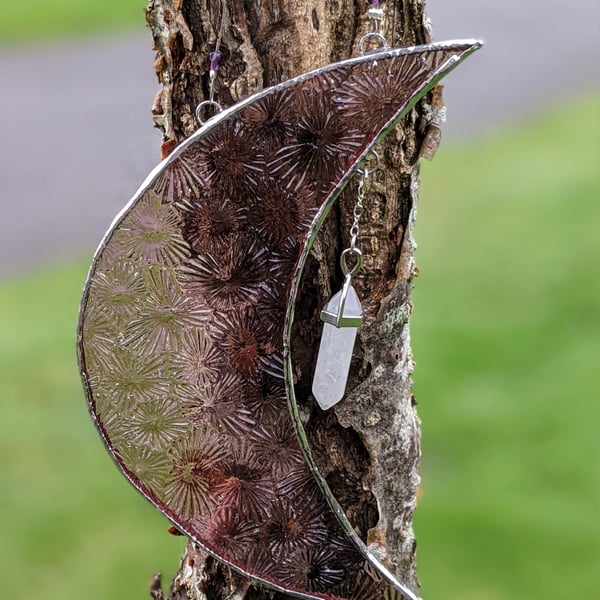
[
  {"x": 206, "y": 103},
  {"x": 383, "y": 45},
  {"x": 370, "y": 170},
  {"x": 346, "y": 270}
]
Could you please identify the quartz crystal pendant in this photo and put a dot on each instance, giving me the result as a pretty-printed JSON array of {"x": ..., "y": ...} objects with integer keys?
[{"x": 341, "y": 315}]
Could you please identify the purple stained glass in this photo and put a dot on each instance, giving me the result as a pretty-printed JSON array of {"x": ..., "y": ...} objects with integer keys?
[{"x": 183, "y": 324}]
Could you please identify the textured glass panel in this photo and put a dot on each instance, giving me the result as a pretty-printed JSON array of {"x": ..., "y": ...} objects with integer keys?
[{"x": 183, "y": 325}]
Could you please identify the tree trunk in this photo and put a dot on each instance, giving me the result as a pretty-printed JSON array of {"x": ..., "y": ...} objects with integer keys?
[{"x": 367, "y": 446}]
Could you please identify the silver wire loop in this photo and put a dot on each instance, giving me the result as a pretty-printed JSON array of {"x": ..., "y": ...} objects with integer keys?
[
  {"x": 215, "y": 64},
  {"x": 204, "y": 104},
  {"x": 374, "y": 35},
  {"x": 366, "y": 171},
  {"x": 351, "y": 271}
]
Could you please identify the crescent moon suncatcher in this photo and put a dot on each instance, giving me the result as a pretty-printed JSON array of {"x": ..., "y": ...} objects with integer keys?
[{"x": 184, "y": 330}]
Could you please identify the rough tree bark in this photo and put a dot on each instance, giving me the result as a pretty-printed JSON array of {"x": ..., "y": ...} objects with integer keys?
[{"x": 369, "y": 443}]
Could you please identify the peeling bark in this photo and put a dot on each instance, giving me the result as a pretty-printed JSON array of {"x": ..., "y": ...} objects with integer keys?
[{"x": 367, "y": 446}]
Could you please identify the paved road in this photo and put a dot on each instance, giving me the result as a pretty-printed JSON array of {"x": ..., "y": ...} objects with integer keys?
[
  {"x": 536, "y": 53},
  {"x": 70, "y": 159}
]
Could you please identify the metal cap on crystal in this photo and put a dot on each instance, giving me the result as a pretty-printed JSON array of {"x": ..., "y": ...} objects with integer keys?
[{"x": 344, "y": 309}]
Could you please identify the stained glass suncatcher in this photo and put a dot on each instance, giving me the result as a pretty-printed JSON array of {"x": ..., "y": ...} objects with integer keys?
[{"x": 186, "y": 318}]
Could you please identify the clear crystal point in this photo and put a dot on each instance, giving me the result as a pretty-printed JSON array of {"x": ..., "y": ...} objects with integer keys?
[
  {"x": 333, "y": 364},
  {"x": 335, "y": 351}
]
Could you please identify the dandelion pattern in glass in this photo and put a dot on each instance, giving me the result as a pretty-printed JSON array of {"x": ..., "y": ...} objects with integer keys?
[{"x": 183, "y": 329}]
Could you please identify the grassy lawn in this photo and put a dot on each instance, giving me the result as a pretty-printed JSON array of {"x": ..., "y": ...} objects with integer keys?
[
  {"x": 505, "y": 333},
  {"x": 40, "y": 19},
  {"x": 69, "y": 522}
]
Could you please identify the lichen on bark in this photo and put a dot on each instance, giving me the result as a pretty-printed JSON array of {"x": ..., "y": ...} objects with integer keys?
[{"x": 368, "y": 446}]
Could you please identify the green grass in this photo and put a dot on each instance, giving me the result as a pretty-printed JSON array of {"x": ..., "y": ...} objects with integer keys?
[
  {"x": 505, "y": 333},
  {"x": 71, "y": 526},
  {"x": 24, "y": 21}
]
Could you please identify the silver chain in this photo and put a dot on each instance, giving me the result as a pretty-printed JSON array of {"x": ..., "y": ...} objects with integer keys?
[
  {"x": 358, "y": 210},
  {"x": 353, "y": 250},
  {"x": 375, "y": 16}
]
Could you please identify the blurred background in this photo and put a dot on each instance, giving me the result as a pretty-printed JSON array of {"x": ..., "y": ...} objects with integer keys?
[{"x": 506, "y": 322}]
